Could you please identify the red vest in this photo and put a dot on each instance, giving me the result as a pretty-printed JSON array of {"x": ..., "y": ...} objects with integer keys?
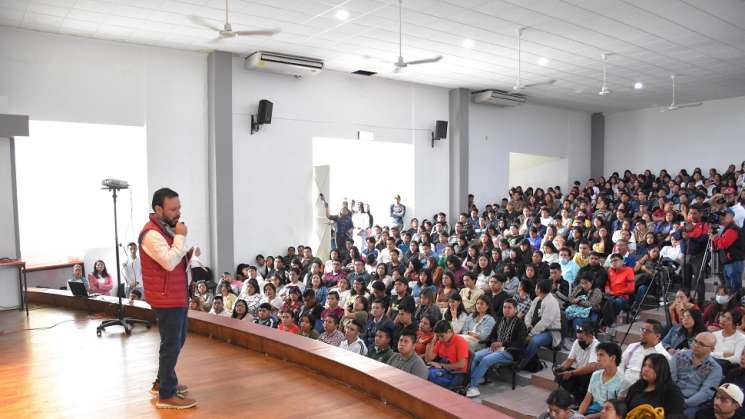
[{"x": 163, "y": 289}]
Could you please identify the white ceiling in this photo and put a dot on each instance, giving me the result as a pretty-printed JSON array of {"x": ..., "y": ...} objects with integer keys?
[{"x": 702, "y": 39}]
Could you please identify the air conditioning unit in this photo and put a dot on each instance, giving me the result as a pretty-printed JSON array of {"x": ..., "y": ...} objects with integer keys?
[
  {"x": 497, "y": 98},
  {"x": 291, "y": 65}
]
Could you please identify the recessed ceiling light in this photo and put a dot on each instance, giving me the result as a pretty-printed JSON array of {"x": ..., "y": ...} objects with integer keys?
[
  {"x": 342, "y": 14},
  {"x": 543, "y": 61},
  {"x": 638, "y": 85},
  {"x": 468, "y": 43}
]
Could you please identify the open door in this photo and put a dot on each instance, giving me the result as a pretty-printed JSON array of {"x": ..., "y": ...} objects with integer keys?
[{"x": 321, "y": 243}]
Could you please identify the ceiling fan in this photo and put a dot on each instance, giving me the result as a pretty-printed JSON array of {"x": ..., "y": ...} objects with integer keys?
[
  {"x": 227, "y": 30},
  {"x": 604, "y": 88},
  {"x": 401, "y": 64},
  {"x": 519, "y": 86},
  {"x": 675, "y": 106}
]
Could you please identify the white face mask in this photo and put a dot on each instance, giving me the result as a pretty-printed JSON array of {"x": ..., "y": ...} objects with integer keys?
[{"x": 722, "y": 299}]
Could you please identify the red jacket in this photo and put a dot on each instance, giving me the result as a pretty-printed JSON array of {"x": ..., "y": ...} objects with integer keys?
[
  {"x": 620, "y": 282},
  {"x": 163, "y": 289}
]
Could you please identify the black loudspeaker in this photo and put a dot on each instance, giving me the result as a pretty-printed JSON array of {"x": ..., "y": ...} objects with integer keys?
[
  {"x": 441, "y": 130},
  {"x": 265, "y": 112}
]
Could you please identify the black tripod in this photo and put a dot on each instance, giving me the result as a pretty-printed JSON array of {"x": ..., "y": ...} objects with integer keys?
[
  {"x": 126, "y": 322},
  {"x": 711, "y": 258},
  {"x": 662, "y": 286}
]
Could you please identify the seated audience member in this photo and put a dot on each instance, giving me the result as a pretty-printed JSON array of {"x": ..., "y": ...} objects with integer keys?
[
  {"x": 406, "y": 359},
  {"x": 455, "y": 313},
  {"x": 469, "y": 294},
  {"x": 310, "y": 306},
  {"x": 270, "y": 297},
  {"x": 446, "y": 290},
  {"x": 265, "y": 317},
  {"x": 696, "y": 373},
  {"x": 321, "y": 291},
  {"x": 595, "y": 270},
  {"x": 633, "y": 357},
  {"x": 376, "y": 320},
  {"x": 506, "y": 342},
  {"x": 524, "y": 298},
  {"x": 644, "y": 272},
  {"x": 77, "y": 276},
  {"x": 381, "y": 351},
  {"x": 306, "y": 326},
  {"x": 619, "y": 288},
  {"x": 401, "y": 288},
  {"x": 134, "y": 295},
  {"x": 478, "y": 325},
  {"x": 724, "y": 301},
  {"x": 682, "y": 302},
  {"x": 427, "y": 306},
  {"x": 586, "y": 303},
  {"x": 559, "y": 286},
  {"x": 333, "y": 306},
  {"x": 569, "y": 267},
  {"x": 729, "y": 340},
  {"x": 194, "y": 305},
  {"x": 287, "y": 323},
  {"x": 424, "y": 334},
  {"x": 358, "y": 309},
  {"x": 352, "y": 341},
  {"x": 203, "y": 297},
  {"x": 294, "y": 301},
  {"x": 543, "y": 322},
  {"x": 404, "y": 319},
  {"x": 99, "y": 281},
  {"x": 512, "y": 280},
  {"x": 218, "y": 307},
  {"x": 575, "y": 372},
  {"x": 294, "y": 281},
  {"x": 673, "y": 251},
  {"x": 228, "y": 298},
  {"x": 737, "y": 374},
  {"x": 251, "y": 294},
  {"x": 447, "y": 356},
  {"x": 496, "y": 293},
  {"x": 613, "y": 409},
  {"x": 727, "y": 404},
  {"x": 240, "y": 311},
  {"x": 332, "y": 277},
  {"x": 345, "y": 293},
  {"x": 559, "y": 406},
  {"x": 681, "y": 337},
  {"x": 655, "y": 387},
  {"x": 605, "y": 383},
  {"x": 331, "y": 333}
]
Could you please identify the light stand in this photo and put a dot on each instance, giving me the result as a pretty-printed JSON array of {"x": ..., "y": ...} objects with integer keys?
[{"x": 126, "y": 322}]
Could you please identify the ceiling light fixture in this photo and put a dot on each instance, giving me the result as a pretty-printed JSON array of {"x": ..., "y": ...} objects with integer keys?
[
  {"x": 638, "y": 85},
  {"x": 468, "y": 43},
  {"x": 543, "y": 61},
  {"x": 342, "y": 14}
]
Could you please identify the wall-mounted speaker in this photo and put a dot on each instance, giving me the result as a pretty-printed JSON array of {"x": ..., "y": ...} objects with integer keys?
[
  {"x": 441, "y": 130},
  {"x": 265, "y": 112}
]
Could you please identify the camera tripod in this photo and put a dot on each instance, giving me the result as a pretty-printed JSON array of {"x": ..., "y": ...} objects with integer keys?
[
  {"x": 658, "y": 279},
  {"x": 711, "y": 258}
]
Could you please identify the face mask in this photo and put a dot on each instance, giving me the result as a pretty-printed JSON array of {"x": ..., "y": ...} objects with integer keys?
[{"x": 722, "y": 299}]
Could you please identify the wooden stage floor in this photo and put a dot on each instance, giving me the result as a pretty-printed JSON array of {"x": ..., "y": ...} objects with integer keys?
[{"x": 68, "y": 372}]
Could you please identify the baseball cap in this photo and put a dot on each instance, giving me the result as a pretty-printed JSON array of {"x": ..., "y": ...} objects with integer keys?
[
  {"x": 730, "y": 212},
  {"x": 731, "y": 390}
]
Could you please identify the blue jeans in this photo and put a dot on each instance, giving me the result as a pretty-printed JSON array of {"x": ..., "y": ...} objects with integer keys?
[
  {"x": 172, "y": 327},
  {"x": 619, "y": 303},
  {"x": 541, "y": 339},
  {"x": 485, "y": 359},
  {"x": 733, "y": 274},
  {"x": 444, "y": 377}
]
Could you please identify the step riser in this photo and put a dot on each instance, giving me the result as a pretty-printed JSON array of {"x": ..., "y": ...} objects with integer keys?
[
  {"x": 506, "y": 411},
  {"x": 543, "y": 382}
]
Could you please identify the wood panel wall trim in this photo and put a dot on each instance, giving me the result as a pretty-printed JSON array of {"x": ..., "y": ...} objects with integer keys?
[{"x": 401, "y": 390}]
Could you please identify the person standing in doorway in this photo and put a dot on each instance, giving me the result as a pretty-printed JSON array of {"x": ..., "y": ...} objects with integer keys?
[{"x": 164, "y": 258}]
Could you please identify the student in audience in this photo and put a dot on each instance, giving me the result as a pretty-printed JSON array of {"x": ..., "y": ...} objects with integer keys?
[
  {"x": 586, "y": 303},
  {"x": 265, "y": 316},
  {"x": 729, "y": 341},
  {"x": 560, "y": 406},
  {"x": 194, "y": 305},
  {"x": 737, "y": 375},
  {"x": 401, "y": 288},
  {"x": 423, "y": 282},
  {"x": 619, "y": 288},
  {"x": 331, "y": 333},
  {"x": 316, "y": 284},
  {"x": 543, "y": 322},
  {"x": 333, "y": 306},
  {"x": 377, "y": 320},
  {"x": 203, "y": 297},
  {"x": 294, "y": 302},
  {"x": 595, "y": 270},
  {"x": 134, "y": 295},
  {"x": 446, "y": 290},
  {"x": 681, "y": 336},
  {"x": 469, "y": 294},
  {"x": 575, "y": 372},
  {"x": 251, "y": 294},
  {"x": 427, "y": 306},
  {"x": 404, "y": 319},
  {"x": 447, "y": 356},
  {"x": 605, "y": 383},
  {"x": 218, "y": 307},
  {"x": 506, "y": 341},
  {"x": 306, "y": 326},
  {"x": 496, "y": 294},
  {"x": 727, "y": 403},
  {"x": 99, "y": 281},
  {"x": 424, "y": 334},
  {"x": 478, "y": 325},
  {"x": 723, "y": 302},
  {"x": 524, "y": 298},
  {"x": 77, "y": 276},
  {"x": 655, "y": 387},
  {"x": 634, "y": 355},
  {"x": 381, "y": 351},
  {"x": 270, "y": 297},
  {"x": 240, "y": 311},
  {"x": 287, "y": 322},
  {"x": 696, "y": 372},
  {"x": 681, "y": 303},
  {"x": 310, "y": 306},
  {"x": 352, "y": 341},
  {"x": 613, "y": 409},
  {"x": 406, "y": 359},
  {"x": 228, "y": 298},
  {"x": 560, "y": 288},
  {"x": 455, "y": 313}
]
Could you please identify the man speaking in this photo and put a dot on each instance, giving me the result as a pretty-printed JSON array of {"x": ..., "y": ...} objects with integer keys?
[{"x": 164, "y": 258}]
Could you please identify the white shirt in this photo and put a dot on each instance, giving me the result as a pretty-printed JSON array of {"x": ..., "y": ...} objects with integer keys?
[
  {"x": 739, "y": 214},
  {"x": 671, "y": 252},
  {"x": 583, "y": 357},
  {"x": 223, "y": 313},
  {"x": 357, "y": 346},
  {"x": 632, "y": 359},
  {"x": 132, "y": 271},
  {"x": 734, "y": 344}
]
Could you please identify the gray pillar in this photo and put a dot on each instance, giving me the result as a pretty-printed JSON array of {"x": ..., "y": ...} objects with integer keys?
[
  {"x": 458, "y": 141},
  {"x": 220, "y": 97},
  {"x": 597, "y": 145}
]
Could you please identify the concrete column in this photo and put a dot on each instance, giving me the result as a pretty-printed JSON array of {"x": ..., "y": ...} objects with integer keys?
[
  {"x": 458, "y": 141},
  {"x": 597, "y": 145},
  {"x": 220, "y": 97}
]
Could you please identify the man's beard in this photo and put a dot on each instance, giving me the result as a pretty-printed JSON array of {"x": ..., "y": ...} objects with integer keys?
[{"x": 169, "y": 222}]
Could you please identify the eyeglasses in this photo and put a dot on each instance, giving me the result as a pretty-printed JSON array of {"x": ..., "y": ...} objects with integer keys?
[
  {"x": 699, "y": 343},
  {"x": 645, "y": 330}
]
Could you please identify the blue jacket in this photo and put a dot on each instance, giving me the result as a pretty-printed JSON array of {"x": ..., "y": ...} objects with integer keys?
[{"x": 695, "y": 383}]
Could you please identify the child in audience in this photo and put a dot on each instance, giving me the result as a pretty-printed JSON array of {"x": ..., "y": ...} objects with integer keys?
[{"x": 287, "y": 322}]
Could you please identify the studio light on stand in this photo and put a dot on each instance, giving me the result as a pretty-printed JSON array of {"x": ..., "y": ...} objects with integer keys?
[{"x": 127, "y": 323}]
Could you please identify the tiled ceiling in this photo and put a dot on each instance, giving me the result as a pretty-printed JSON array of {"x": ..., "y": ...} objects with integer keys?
[{"x": 703, "y": 40}]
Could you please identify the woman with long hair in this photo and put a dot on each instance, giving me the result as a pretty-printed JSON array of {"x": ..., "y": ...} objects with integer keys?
[
  {"x": 228, "y": 298},
  {"x": 446, "y": 290},
  {"x": 524, "y": 298},
  {"x": 240, "y": 311},
  {"x": 655, "y": 387},
  {"x": 479, "y": 324},
  {"x": 99, "y": 281},
  {"x": 483, "y": 272},
  {"x": 427, "y": 306},
  {"x": 681, "y": 303},
  {"x": 423, "y": 282},
  {"x": 456, "y": 312},
  {"x": 723, "y": 302},
  {"x": 681, "y": 336},
  {"x": 730, "y": 342},
  {"x": 436, "y": 269}
]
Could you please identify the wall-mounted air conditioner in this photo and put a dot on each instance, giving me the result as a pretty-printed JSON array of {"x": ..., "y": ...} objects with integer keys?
[
  {"x": 291, "y": 65},
  {"x": 497, "y": 98}
]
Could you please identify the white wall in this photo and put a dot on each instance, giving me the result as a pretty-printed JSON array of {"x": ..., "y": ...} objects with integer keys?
[
  {"x": 273, "y": 206},
  {"x": 537, "y": 170},
  {"x": 533, "y": 129},
  {"x": 707, "y": 136},
  {"x": 63, "y": 78},
  {"x": 8, "y": 277}
]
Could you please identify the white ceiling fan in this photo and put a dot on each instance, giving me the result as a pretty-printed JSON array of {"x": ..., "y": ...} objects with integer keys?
[
  {"x": 675, "y": 106},
  {"x": 401, "y": 64},
  {"x": 519, "y": 86},
  {"x": 227, "y": 30},
  {"x": 604, "y": 91}
]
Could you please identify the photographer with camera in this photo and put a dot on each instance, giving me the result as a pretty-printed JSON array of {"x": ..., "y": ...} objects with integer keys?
[
  {"x": 695, "y": 234},
  {"x": 731, "y": 241}
]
